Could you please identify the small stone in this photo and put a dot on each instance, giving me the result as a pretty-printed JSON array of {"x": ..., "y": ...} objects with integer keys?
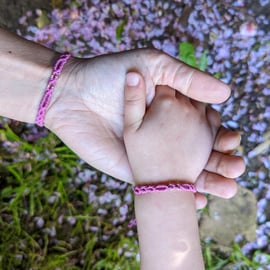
[{"x": 227, "y": 218}]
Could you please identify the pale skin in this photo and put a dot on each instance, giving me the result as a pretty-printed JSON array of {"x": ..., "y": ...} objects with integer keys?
[
  {"x": 170, "y": 140},
  {"x": 86, "y": 111}
]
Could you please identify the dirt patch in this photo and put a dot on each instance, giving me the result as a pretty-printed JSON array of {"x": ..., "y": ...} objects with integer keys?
[{"x": 12, "y": 10}]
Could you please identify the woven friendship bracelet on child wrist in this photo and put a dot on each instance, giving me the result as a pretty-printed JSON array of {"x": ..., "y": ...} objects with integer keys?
[
  {"x": 143, "y": 189},
  {"x": 161, "y": 187},
  {"x": 45, "y": 101}
]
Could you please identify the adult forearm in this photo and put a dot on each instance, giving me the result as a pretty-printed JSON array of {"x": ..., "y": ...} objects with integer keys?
[
  {"x": 24, "y": 71},
  {"x": 168, "y": 231}
]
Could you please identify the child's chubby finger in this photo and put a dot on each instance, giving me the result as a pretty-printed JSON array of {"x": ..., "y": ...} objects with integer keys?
[
  {"x": 135, "y": 101},
  {"x": 200, "y": 200},
  {"x": 226, "y": 165},
  {"x": 227, "y": 140},
  {"x": 216, "y": 185}
]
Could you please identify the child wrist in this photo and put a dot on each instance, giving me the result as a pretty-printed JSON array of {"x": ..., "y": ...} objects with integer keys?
[{"x": 171, "y": 185}]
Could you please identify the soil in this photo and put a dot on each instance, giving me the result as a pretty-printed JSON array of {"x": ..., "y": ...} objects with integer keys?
[{"x": 12, "y": 10}]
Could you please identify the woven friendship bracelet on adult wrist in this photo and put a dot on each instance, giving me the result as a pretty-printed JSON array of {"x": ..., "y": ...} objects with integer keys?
[
  {"x": 143, "y": 189},
  {"x": 45, "y": 101}
]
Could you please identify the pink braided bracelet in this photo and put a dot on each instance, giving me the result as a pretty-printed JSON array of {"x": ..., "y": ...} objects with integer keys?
[
  {"x": 143, "y": 189},
  {"x": 139, "y": 190},
  {"x": 45, "y": 101}
]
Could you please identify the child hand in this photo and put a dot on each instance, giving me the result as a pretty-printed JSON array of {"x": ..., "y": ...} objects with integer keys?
[{"x": 170, "y": 140}]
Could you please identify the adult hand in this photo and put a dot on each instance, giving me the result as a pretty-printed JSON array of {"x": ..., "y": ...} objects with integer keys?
[{"x": 87, "y": 110}]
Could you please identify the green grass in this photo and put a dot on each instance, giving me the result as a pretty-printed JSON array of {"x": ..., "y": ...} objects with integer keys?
[
  {"x": 232, "y": 259},
  {"x": 38, "y": 184}
]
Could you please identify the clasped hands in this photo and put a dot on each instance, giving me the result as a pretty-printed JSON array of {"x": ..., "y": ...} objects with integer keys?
[{"x": 88, "y": 107}]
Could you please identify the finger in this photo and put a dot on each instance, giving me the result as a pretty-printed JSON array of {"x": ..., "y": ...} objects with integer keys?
[
  {"x": 164, "y": 90},
  {"x": 184, "y": 98},
  {"x": 135, "y": 103},
  {"x": 189, "y": 81},
  {"x": 163, "y": 100},
  {"x": 226, "y": 165},
  {"x": 226, "y": 140},
  {"x": 216, "y": 185},
  {"x": 200, "y": 200},
  {"x": 199, "y": 105},
  {"x": 213, "y": 117}
]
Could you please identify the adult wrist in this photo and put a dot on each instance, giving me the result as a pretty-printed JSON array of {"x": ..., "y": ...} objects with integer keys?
[
  {"x": 23, "y": 81},
  {"x": 66, "y": 91}
]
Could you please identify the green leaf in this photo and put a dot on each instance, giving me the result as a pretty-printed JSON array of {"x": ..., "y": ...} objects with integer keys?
[
  {"x": 43, "y": 20},
  {"x": 185, "y": 49},
  {"x": 119, "y": 30},
  {"x": 15, "y": 172},
  {"x": 75, "y": 3},
  {"x": 57, "y": 3},
  {"x": 187, "y": 54},
  {"x": 32, "y": 204},
  {"x": 7, "y": 192},
  {"x": 203, "y": 61},
  {"x": 218, "y": 75}
]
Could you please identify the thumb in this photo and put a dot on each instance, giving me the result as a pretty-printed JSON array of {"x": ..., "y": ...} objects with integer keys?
[{"x": 135, "y": 101}]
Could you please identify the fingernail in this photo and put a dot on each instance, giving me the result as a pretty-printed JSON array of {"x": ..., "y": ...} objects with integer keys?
[{"x": 132, "y": 79}]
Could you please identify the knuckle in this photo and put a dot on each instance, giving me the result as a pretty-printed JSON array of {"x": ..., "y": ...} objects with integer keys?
[
  {"x": 154, "y": 52},
  {"x": 166, "y": 101},
  {"x": 222, "y": 168}
]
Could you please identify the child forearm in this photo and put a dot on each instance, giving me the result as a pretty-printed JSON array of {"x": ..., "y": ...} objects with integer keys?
[{"x": 168, "y": 231}]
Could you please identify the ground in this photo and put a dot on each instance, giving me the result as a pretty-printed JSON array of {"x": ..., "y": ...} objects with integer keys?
[{"x": 12, "y": 10}]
